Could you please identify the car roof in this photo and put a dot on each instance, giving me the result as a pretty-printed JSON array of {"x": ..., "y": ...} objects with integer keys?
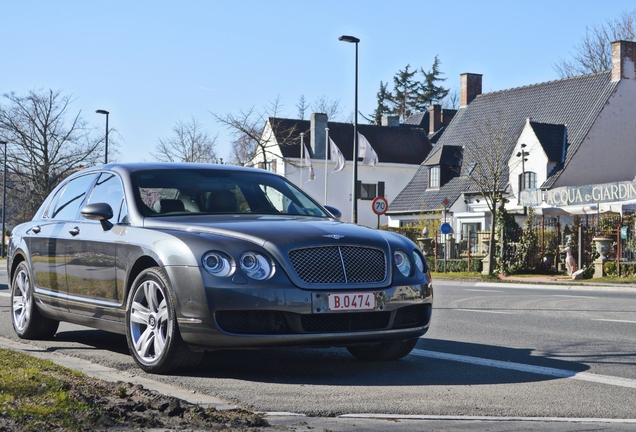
[{"x": 146, "y": 166}]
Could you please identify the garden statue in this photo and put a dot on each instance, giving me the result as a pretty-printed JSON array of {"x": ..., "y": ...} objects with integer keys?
[{"x": 570, "y": 263}]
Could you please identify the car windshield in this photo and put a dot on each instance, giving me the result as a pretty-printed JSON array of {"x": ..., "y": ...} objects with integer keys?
[{"x": 208, "y": 191}]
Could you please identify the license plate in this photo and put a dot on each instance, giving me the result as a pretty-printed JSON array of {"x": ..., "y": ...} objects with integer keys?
[{"x": 351, "y": 301}]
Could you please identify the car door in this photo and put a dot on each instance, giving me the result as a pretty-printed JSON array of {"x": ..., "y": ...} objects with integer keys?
[
  {"x": 47, "y": 242},
  {"x": 91, "y": 267}
]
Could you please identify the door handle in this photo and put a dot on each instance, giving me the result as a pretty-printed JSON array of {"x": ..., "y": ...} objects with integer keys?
[
  {"x": 75, "y": 231},
  {"x": 36, "y": 229}
]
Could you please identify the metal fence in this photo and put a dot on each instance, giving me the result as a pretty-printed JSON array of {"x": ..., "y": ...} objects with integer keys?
[{"x": 465, "y": 251}]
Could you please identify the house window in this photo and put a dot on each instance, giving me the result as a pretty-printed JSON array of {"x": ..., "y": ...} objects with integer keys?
[
  {"x": 369, "y": 191},
  {"x": 271, "y": 166},
  {"x": 527, "y": 180},
  {"x": 471, "y": 229},
  {"x": 433, "y": 177}
]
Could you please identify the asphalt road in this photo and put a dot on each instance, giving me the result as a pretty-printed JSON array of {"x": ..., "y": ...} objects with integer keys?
[{"x": 518, "y": 354}]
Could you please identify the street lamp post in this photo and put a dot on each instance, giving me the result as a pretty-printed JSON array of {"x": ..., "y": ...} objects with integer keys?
[
  {"x": 106, "y": 145},
  {"x": 354, "y": 195},
  {"x": 4, "y": 197},
  {"x": 522, "y": 186}
]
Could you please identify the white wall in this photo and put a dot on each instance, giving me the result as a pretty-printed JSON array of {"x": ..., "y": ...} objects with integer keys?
[
  {"x": 537, "y": 163},
  {"x": 608, "y": 153},
  {"x": 339, "y": 186}
]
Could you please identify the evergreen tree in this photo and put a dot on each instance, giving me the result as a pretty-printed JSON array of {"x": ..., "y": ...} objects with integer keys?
[
  {"x": 384, "y": 98},
  {"x": 429, "y": 91},
  {"x": 405, "y": 93}
]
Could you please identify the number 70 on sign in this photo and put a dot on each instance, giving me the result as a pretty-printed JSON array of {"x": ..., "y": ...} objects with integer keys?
[{"x": 379, "y": 205}]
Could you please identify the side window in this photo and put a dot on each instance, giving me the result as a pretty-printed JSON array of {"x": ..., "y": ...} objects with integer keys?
[
  {"x": 109, "y": 190},
  {"x": 68, "y": 205}
]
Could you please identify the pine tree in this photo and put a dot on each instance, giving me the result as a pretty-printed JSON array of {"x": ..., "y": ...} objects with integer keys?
[
  {"x": 429, "y": 92},
  {"x": 384, "y": 98},
  {"x": 405, "y": 93}
]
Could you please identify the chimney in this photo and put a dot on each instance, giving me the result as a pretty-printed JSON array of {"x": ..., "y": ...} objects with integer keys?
[
  {"x": 623, "y": 60},
  {"x": 470, "y": 87},
  {"x": 435, "y": 117},
  {"x": 390, "y": 121},
  {"x": 318, "y": 124}
]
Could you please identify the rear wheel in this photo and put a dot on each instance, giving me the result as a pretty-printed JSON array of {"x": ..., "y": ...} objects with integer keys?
[
  {"x": 28, "y": 322},
  {"x": 151, "y": 326},
  {"x": 385, "y": 351}
]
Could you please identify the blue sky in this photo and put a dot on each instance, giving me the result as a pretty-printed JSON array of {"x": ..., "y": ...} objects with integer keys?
[{"x": 152, "y": 63}]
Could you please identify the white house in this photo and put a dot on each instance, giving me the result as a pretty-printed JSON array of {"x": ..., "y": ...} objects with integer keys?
[
  {"x": 400, "y": 148},
  {"x": 571, "y": 133}
]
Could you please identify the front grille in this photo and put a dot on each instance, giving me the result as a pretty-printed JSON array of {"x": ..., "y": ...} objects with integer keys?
[
  {"x": 275, "y": 322},
  {"x": 345, "y": 322},
  {"x": 251, "y": 322},
  {"x": 339, "y": 264},
  {"x": 412, "y": 316}
]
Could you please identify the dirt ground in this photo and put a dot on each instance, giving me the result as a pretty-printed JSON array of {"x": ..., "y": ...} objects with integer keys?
[{"x": 120, "y": 406}]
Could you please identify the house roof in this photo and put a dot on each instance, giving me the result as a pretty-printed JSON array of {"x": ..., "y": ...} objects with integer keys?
[
  {"x": 575, "y": 102},
  {"x": 403, "y": 145}
]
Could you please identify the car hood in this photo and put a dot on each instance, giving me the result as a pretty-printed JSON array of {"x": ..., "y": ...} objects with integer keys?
[{"x": 282, "y": 232}]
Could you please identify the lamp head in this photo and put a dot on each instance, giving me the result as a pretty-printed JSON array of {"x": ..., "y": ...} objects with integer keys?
[
  {"x": 102, "y": 112},
  {"x": 350, "y": 39}
]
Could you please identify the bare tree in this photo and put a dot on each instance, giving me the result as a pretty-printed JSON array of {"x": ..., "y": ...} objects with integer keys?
[
  {"x": 487, "y": 169},
  {"x": 44, "y": 147},
  {"x": 593, "y": 53},
  {"x": 326, "y": 106},
  {"x": 190, "y": 143},
  {"x": 251, "y": 140},
  {"x": 451, "y": 100}
]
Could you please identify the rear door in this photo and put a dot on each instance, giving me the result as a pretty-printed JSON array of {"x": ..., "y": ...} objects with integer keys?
[{"x": 47, "y": 242}]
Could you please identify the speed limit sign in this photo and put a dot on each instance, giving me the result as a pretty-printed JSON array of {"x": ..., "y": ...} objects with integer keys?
[{"x": 380, "y": 205}]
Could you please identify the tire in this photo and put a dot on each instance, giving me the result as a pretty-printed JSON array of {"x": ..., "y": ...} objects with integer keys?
[
  {"x": 152, "y": 332},
  {"x": 28, "y": 322},
  {"x": 386, "y": 351}
]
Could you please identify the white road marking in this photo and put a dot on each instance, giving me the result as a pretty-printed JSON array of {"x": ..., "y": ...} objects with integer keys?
[
  {"x": 574, "y": 296},
  {"x": 520, "y": 367},
  {"x": 5, "y": 294},
  {"x": 486, "y": 418},
  {"x": 486, "y": 311},
  {"x": 615, "y": 320},
  {"x": 482, "y": 290}
]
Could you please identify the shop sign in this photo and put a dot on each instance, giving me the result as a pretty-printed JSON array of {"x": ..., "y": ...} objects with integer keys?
[{"x": 579, "y": 195}]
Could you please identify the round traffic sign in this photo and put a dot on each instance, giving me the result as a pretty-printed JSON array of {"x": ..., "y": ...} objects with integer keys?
[
  {"x": 446, "y": 228},
  {"x": 379, "y": 205}
]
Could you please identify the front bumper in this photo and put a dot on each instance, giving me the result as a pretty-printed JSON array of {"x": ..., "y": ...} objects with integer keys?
[{"x": 279, "y": 317}]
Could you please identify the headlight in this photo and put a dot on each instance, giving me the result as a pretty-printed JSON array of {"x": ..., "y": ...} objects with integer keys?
[
  {"x": 256, "y": 266},
  {"x": 218, "y": 264},
  {"x": 419, "y": 262},
  {"x": 402, "y": 262}
]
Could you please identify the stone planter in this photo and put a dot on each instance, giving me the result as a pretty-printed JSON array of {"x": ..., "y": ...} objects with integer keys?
[{"x": 603, "y": 245}]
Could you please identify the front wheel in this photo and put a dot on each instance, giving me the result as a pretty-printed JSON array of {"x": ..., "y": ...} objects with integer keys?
[
  {"x": 28, "y": 322},
  {"x": 151, "y": 326},
  {"x": 385, "y": 351}
]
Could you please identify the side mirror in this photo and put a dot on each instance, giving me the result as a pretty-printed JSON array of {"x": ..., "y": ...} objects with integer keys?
[
  {"x": 337, "y": 214},
  {"x": 101, "y": 212}
]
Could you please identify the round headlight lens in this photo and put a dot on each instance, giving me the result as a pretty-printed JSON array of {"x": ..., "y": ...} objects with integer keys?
[
  {"x": 419, "y": 262},
  {"x": 256, "y": 266},
  {"x": 217, "y": 264},
  {"x": 402, "y": 262}
]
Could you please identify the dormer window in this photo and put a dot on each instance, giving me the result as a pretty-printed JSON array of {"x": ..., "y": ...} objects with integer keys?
[{"x": 433, "y": 177}]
